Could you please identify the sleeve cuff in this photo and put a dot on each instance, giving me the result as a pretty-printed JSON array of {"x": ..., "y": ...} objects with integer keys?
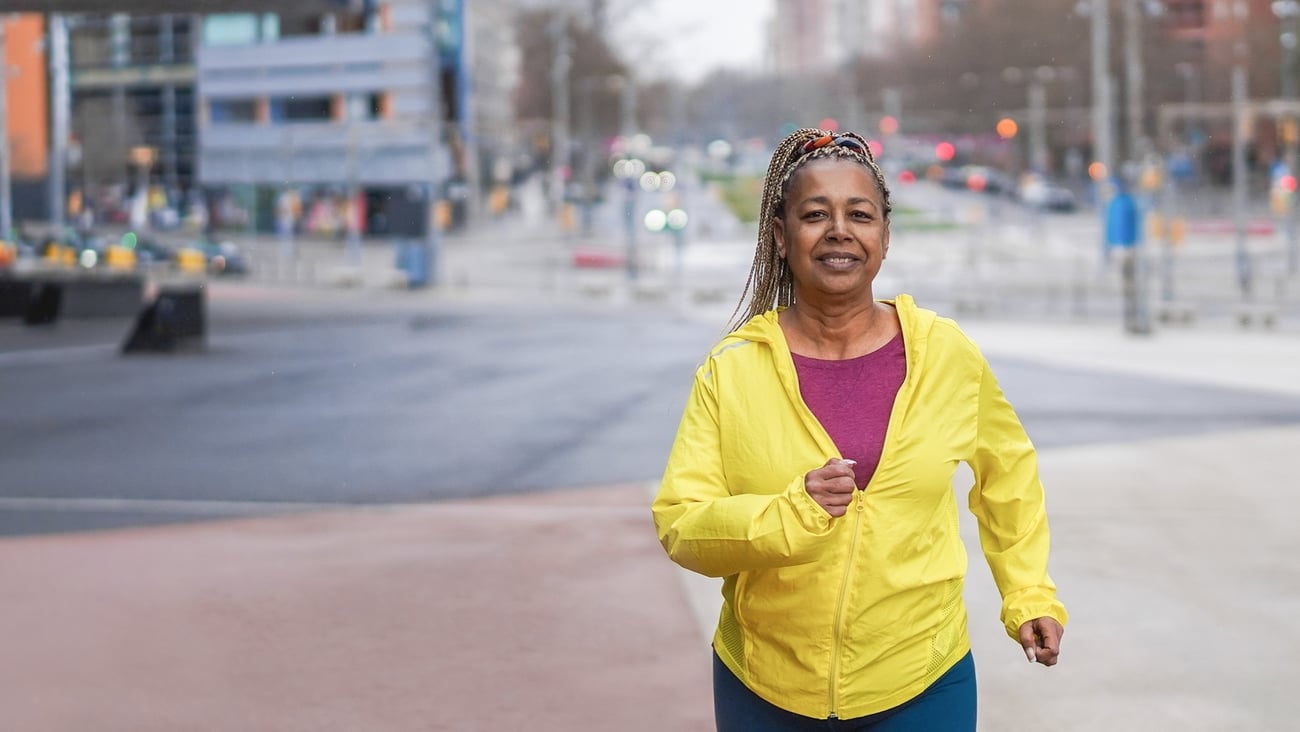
[
  {"x": 813, "y": 517},
  {"x": 1022, "y": 615}
]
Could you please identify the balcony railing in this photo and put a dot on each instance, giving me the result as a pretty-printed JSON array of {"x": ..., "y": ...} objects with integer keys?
[
  {"x": 365, "y": 152},
  {"x": 307, "y": 65}
]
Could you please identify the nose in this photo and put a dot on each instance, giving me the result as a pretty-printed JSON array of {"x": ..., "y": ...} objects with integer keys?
[{"x": 838, "y": 226}]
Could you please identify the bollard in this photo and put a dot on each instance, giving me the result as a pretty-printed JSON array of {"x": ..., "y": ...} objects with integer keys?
[{"x": 175, "y": 321}]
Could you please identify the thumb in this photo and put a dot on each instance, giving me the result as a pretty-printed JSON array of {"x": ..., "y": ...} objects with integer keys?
[{"x": 1028, "y": 642}]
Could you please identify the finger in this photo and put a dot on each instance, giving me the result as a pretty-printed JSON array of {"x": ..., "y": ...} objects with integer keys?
[
  {"x": 840, "y": 484},
  {"x": 828, "y": 498},
  {"x": 1028, "y": 642},
  {"x": 839, "y": 467},
  {"x": 1049, "y": 646}
]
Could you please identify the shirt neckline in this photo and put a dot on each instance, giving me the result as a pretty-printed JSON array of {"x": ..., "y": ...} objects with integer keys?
[{"x": 834, "y": 362}]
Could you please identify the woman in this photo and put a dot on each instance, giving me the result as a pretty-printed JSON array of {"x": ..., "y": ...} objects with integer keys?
[{"x": 813, "y": 471}]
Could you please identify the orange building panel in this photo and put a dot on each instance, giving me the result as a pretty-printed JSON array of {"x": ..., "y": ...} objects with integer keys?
[{"x": 29, "y": 140}]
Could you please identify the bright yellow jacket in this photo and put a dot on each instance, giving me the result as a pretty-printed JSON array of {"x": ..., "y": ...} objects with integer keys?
[{"x": 851, "y": 616}]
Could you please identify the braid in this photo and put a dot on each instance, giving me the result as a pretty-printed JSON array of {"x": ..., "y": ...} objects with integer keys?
[{"x": 769, "y": 284}]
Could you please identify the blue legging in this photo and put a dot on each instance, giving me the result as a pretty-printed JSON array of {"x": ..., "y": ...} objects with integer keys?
[{"x": 947, "y": 705}]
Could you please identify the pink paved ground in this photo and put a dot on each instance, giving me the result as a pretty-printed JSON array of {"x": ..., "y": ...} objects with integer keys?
[{"x": 543, "y": 612}]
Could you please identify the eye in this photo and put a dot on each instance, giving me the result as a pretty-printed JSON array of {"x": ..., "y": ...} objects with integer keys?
[
  {"x": 862, "y": 215},
  {"x": 814, "y": 214}
]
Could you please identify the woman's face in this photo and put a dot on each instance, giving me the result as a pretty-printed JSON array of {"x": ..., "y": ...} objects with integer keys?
[{"x": 833, "y": 234}]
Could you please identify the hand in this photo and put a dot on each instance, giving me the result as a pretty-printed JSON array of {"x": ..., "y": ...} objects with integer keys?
[
  {"x": 1041, "y": 638},
  {"x": 832, "y": 485}
]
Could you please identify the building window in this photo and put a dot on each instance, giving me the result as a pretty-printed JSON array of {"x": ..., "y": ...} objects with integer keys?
[
  {"x": 301, "y": 109},
  {"x": 232, "y": 110},
  {"x": 365, "y": 106},
  {"x": 240, "y": 29}
]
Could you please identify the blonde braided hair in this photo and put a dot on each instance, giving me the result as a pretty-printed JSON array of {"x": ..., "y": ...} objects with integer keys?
[{"x": 770, "y": 284}]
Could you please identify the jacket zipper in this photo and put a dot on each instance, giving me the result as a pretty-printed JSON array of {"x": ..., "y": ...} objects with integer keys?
[{"x": 858, "y": 506}]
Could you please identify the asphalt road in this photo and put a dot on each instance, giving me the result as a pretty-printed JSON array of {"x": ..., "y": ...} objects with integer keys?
[{"x": 295, "y": 406}]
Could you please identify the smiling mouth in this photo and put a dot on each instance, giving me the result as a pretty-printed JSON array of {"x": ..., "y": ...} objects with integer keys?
[{"x": 838, "y": 260}]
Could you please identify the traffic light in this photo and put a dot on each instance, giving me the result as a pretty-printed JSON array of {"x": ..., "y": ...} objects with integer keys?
[{"x": 945, "y": 151}]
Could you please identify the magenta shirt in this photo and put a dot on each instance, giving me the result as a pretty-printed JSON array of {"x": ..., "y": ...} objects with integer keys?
[{"x": 853, "y": 399}]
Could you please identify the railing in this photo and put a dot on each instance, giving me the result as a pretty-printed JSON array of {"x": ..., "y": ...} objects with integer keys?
[{"x": 310, "y": 65}]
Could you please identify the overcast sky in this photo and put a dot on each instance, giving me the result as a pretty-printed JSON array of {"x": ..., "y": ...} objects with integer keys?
[{"x": 690, "y": 38}]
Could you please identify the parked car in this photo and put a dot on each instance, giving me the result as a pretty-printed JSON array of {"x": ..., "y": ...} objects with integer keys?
[
  {"x": 225, "y": 258},
  {"x": 151, "y": 251},
  {"x": 1041, "y": 192}
]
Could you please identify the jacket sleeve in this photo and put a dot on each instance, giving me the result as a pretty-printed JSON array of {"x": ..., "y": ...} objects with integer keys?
[
  {"x": 1007, "y": 499},
  {"x": 707, "y": 527}
]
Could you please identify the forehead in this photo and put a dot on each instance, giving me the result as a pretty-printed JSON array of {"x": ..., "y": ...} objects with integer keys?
[{"x": 834, "y": 177}]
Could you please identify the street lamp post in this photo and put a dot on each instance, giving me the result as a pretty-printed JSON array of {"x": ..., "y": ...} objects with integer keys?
[
  {"x": 6, "y": 203},
  {"x": 560, "y": 109},
  {"x": 60, "y": 105},
  {"x": 1287, "y": 11},
  {"x": 586, "y": 87}
]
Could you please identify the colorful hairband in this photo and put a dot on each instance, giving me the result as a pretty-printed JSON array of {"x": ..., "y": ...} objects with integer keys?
[{"x": 841, "y": 140}]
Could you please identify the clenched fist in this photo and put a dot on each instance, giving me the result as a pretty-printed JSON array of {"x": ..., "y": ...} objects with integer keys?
[{"x": 832, "y": 485}]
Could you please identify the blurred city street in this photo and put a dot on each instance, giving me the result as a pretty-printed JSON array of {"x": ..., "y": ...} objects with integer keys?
[
  {"x": 372, "y": 508},
  {"x": 414, "y": 292}
]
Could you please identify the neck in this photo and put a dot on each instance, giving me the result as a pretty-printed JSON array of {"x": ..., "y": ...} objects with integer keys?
[{"x": 837, "y": 331}]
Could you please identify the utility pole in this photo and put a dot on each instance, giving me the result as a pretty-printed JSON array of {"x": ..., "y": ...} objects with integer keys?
[
  {"x": 353, "y": 189},
  {"x": 1101, "y": 86},
  {"x": 1037, "y": 101},
  {"x": 1287, "y": 12},
  {"x": 1101, "y": 105},
  {"x": 1239, "y": 193},
  {"x": 433, "y": 238},
  {"x": 559, "y": 107},
  {"x": 1134, "y": 78},
  {"x": 6, "y": 200},
  {"x": 59, "y": 109}
]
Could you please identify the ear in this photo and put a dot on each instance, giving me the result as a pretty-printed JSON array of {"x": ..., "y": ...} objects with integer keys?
[
  {"x": 778, "y": 233},
  {"x": 884, "y": 243}
]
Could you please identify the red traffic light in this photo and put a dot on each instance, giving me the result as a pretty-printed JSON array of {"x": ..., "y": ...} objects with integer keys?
[
  {"x": 1287, "y": 183},
  {"x": 945, "y": 151},
  {"x": 976, "y": 182},
  {"x": 907, "y": 176}
]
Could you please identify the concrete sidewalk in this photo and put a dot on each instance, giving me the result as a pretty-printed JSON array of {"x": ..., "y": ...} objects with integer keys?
[{"x": 549, "y": 612}]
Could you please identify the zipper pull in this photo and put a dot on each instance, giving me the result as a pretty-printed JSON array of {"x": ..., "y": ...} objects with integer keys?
[{"x": 860, "y": 500}]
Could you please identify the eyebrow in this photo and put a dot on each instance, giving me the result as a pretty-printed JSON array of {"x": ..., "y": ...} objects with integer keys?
[{"x": 827, "y": 201}]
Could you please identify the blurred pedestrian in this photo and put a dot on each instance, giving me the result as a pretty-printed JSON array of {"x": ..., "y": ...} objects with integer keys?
[
  {"x": 1123, "y": 231},
  {"x": 813, "y": 471}
]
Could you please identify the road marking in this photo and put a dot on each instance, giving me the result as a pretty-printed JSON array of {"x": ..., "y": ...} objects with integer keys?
[
  {"x": 161, "y": 506},
  {"x": 46, "y": 355},
  {"x": 494, "y": 506}
]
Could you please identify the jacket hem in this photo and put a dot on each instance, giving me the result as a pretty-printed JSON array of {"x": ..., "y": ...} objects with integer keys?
[{"x": 848, "y": 712}]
